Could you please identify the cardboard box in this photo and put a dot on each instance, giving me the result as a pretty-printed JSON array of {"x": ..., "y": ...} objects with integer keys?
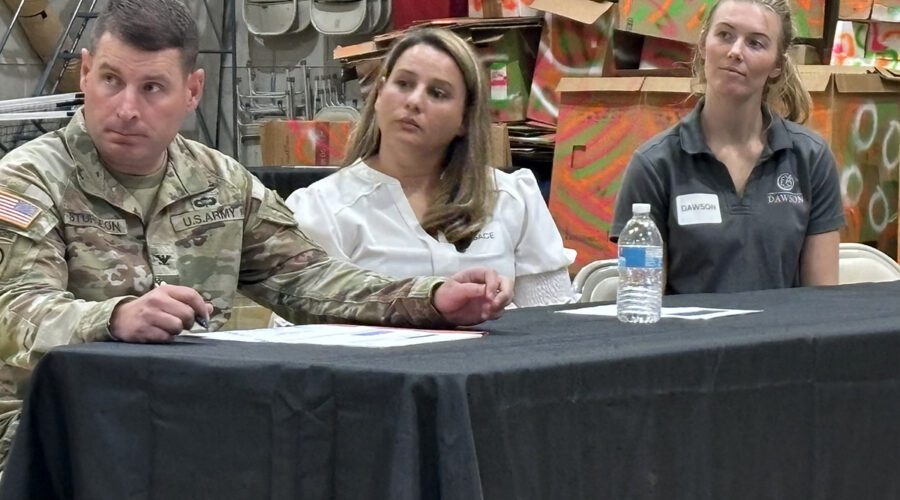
[
  {"x": 502, "y": 8},
  {"x": 601, "y": 122},
  {"x": 858, "y": 43},
  {"x": 849, "y": 47},
  {"x": 809, "y": 18},
  {"x": 886, "y": 10},
  {"x": 405, "y": 13},
  {"x": 508, "y": 48},
  {"x": 875, "y": 10},
  {"x": 854, "y": 9},
  {"x": 682, "y": 19},
  {"x": 674, "y": 20},
  {"x": 804, "y": 54},
  {"x": 857, "y": 112},
  {"x": 865, "y": 140},
  {"x": 509, "y": 56},
  {"x": 298, "y": 142},
  {"x": 819, "y": 82},
  {"x": 883, "y": 41},
  {"x": 659, "y": 53},
  {"x": 247, "y": 315},
  {"x": 575, "y": 41},
  {"x": 501, "y": 154}
]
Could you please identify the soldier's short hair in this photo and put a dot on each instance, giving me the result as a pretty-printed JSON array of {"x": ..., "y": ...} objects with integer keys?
[{"x": 150, "y": 25}]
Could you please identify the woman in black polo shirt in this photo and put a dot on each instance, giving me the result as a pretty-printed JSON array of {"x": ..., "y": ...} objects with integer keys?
[{"x": 744, "y": 196}]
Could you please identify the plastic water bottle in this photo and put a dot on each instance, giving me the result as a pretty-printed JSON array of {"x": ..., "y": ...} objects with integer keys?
[{"x": 639, "y": 296}]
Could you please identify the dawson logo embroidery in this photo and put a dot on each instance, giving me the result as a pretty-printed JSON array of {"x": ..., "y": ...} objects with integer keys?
[
  {"x": 785, "y": 182},
  {"x": 163, "y": 259}
]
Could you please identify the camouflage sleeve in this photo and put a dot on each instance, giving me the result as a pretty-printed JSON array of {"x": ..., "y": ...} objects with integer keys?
[
  {"x": 283, "y": 269},
  {"x": 36, "y": 311}
]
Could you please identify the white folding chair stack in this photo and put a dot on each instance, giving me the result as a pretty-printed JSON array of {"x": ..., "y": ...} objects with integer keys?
[
  {"x": 276, "y": 17},
  {"x": 346, "y": 17}
]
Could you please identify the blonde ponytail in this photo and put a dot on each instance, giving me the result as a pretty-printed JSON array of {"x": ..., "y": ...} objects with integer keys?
[{"x": 787, "y": 96}]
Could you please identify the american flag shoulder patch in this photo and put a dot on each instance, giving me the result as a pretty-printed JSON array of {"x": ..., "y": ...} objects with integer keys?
[{"x": 17, "y": 211}]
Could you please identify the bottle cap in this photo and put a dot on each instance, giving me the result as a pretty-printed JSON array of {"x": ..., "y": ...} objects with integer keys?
[{"x": 640, "y": 208}]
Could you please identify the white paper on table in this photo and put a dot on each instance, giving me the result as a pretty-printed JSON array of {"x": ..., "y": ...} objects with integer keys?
[
  {"x": 343, "y": 335},
  {"x": 667, "y": 312}
]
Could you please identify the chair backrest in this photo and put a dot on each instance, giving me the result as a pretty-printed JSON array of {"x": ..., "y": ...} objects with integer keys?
[
  {"x": 592, "y": 281},
  {"x": 275, "y": 17},
  {"x": 860, "y": 263},
  {"x": 607, "y": 285},
  {"x": 339, "y": 17}
]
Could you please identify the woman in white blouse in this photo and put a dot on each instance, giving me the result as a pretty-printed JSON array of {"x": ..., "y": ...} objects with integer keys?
[{"x": 418, "y": 196}]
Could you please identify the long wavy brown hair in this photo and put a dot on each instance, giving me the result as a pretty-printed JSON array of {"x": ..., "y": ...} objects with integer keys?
[
  {"x": 466, "y": 194},
  {"x": 785, "y": 93}
]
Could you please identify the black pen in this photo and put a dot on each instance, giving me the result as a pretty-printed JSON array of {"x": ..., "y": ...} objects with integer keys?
[{"x": 204, "y": 322}]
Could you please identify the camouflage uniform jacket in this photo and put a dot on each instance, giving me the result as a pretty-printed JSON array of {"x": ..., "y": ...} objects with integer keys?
[{"x": 73, "y": 244}]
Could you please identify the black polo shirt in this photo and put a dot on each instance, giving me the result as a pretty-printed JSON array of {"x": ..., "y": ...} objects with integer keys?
[{"x": 717, "y": 241}]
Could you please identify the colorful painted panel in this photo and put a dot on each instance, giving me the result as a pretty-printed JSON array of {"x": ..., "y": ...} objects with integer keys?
[
  {"x": 502, "y": 8},
  {"x": 854, "y": 9},
  {"x": 886, "y": 10},
  {"x": 596, "y": 135},
  {"x": 510, "y": 63},
  {"x": 681, "y": 19},
  {"x": 849, "y": 49},
  {"x": 809, "y": 18},
  {"x": 297, "y": 142},
  {"x": 867, "y": 149},
  {"x": 659, "y": 53},
  {"x": 568, "y": 48},
  {"x": 883, "y": 41}
]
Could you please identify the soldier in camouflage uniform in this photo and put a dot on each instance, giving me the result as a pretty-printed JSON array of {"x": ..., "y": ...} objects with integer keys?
[{"x": 94, "y": 217}]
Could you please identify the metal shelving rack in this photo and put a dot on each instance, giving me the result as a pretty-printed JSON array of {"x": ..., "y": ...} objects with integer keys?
[{"x": 66, "y": 50}]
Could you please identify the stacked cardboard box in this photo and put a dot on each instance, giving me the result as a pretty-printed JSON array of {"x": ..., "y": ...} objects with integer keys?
[
  {"x": 576, "y": 41},
  {"x": 682, "y": 19},
  {"x": 304, "y": 143},
  {"x": 603, "y": 120},
  {"x": 595, "y": 38},
  {"x": 867, "y": 34},
  {"x": 507, "y": 46},
  {"x": 502, "y": 8},
  {"x": 858, "y": 113}
]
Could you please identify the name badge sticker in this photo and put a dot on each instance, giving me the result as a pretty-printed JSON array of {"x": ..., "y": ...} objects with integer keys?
[{"x": 698, "y": 208}]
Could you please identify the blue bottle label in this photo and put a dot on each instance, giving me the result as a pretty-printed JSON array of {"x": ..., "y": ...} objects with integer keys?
[{"x": 646, "y": 257}]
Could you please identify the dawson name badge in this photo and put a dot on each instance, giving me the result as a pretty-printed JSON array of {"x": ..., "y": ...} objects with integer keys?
[{"x": 698, "y": 208}]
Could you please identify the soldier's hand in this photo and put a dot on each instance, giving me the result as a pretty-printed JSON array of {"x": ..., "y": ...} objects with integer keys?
[
  {"x": 472, "y": 296},
  {"x": 158, "y": 315}
]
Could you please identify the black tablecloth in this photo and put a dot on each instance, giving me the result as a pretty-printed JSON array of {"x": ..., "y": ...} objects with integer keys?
[
  {"x": 286, "y": 180},
  {"x": 800, "y": 401}
]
